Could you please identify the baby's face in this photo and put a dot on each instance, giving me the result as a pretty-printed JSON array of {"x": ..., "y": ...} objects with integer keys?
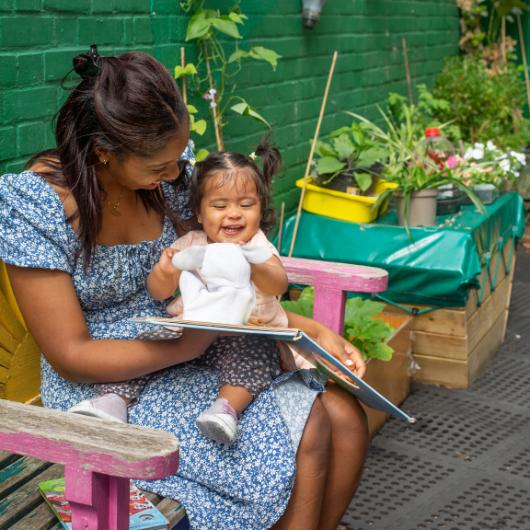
[{"x": 230, "y": 210}]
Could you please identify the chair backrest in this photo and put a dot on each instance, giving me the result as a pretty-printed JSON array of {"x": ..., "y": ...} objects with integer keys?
[{"x": 19, "y": 355}]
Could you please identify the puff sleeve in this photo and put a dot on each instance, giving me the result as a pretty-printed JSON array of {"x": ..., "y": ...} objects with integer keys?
[{"x": 33, "y": 225}]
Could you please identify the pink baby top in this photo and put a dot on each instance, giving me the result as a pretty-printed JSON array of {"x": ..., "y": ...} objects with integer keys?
[{"x": 267, "y": 311}]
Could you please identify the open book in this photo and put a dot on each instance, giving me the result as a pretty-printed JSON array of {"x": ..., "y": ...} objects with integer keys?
[{"x": 301, "y": 341}]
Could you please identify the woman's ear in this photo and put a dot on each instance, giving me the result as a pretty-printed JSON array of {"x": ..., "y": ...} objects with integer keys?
[{"x": 102, "y": 154}]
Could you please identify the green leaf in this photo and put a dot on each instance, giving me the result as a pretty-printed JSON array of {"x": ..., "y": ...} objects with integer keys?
[
  {"x": 364, "y": 180},
  {"x": 265, "y": 54},
  {"x": 380, "y": 351},
  {"x": 244, "y": 109},
  {"x": 191, "y": 109},
  {"x": 180, "y": 71},
  {"x": 303, "y": 306},
  {"x": 325, "y": 149},
  {"x": 238, "y": 18},
  {"x": 201, "y": 154},
  {"x": 198, "y": 26},
  {"x": 369, "y": 157},
  {"x": 238, "y": 55},
  {"x": 329, "y": 164},
  {"x": 344, "y": 147},
  {"x": 199, "y": 127},
  {"x": 226, "y": 26}
]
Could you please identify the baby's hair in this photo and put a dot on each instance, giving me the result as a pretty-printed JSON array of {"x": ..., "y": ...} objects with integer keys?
[{"x": 230, "y": 164}]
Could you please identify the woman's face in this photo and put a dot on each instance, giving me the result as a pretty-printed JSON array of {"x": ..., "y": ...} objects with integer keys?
[{"x": 146, "y": 173}]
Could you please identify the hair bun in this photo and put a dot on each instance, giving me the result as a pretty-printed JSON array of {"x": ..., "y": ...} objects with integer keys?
[{"x": 87, "y": 64}]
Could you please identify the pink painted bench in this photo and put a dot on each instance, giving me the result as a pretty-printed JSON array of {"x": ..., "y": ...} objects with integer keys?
[{"x": 100, "y": 457}]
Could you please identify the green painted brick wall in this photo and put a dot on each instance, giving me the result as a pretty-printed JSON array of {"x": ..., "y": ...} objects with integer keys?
[{"x": 38, "y": 38}]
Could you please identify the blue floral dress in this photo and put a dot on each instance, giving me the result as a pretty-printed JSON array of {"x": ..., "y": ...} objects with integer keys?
[{"x": 245, "y": 486}]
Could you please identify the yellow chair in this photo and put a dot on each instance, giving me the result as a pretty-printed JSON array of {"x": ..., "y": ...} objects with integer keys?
[{"x": 19, "y": 355}]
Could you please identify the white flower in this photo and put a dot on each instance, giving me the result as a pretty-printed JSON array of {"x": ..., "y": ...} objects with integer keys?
[
  {"x": 520, "y": 157},
  {"x": 490, "y": 146},
  {"x": 475, "y": 153},
  {"x": 505, "y": 165}
]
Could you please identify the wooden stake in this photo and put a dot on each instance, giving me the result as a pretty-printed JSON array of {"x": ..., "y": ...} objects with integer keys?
[
  {"x": 503, "y": 39},
  {"x": 407, "y": 69},
  {"x": 280, "y": 229},
  {"x": 523, "y": 55},
  {"x": 183, "y": 64},
  {"x": 214, "y": 110},
  {"x": 312, "y": 151}
]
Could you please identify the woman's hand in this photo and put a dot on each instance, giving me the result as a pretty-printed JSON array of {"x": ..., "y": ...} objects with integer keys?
[
  {"x": 343, "y": 350},
  {"x": 330, "y": 341}
]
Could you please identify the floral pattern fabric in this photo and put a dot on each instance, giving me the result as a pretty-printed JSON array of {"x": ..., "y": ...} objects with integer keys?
[{"x": 243, "y": 487}]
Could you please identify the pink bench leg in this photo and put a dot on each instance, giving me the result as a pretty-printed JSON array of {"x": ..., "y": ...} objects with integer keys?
[
  {"x": 329, "y": 307},
  {"x": 99, "y": 502}
]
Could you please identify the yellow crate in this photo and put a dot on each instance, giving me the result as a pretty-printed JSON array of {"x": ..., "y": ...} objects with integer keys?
[{"x": 340, "y": 205}]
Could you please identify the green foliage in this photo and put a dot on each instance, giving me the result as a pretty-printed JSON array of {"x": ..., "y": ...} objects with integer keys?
[
  {"x": 361, "y": 325},
  {"x": 484, "y": 106},
  {"x": 213, "y": 76},
  {"x": 348, "y": 150}
]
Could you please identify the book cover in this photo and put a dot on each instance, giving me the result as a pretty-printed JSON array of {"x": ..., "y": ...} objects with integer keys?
[
  {"x": 143, "y": 515},
  {"x": 301, "y": 340}
]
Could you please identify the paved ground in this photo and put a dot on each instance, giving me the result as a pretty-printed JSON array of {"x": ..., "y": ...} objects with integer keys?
[{"x": 466, "y": 465}]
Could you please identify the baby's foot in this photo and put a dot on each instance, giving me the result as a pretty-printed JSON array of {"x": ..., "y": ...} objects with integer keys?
[
  {"x": 219, "y": 422},
  {"x": 106, "y": 407}
]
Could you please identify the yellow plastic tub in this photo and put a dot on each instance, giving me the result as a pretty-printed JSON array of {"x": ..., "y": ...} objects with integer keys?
[{"x": 340, "y": 205}]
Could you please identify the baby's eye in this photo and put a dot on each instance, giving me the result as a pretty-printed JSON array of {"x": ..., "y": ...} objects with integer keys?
[
  {"x": 218, "y": 206},
  {"x": 247, "y": 204}
]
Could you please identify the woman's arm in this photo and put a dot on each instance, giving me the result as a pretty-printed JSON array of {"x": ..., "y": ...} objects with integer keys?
[
  {"x": 330, "y": 341},
  {"x": 270, "y": 277},
  {"x": 48, "y": 301},
  {"x": 163, "y": 280}
]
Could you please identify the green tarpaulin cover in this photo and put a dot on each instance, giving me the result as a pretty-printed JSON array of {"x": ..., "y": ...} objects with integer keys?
[{"x": 434, "y": 266}]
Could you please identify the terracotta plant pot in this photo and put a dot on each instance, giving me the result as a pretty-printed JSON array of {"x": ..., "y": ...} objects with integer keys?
[{"x": 422, "y": 208}]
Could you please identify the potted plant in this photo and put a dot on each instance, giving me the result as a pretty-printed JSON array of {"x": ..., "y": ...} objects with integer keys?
[
  {"x": 349, "y": 161},
  {"x": 488, "y": 169},
  {"x": 417, "y": 176}
]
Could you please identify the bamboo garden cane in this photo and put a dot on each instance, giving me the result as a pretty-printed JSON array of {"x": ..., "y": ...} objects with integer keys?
[
  {"x": 280, "y": 229},
  {"x": 523, "y": 55},
  {"x": 407, "y": 70},
  {"x": 183, "y": 64},
  {"x": 312, "y": 151}
]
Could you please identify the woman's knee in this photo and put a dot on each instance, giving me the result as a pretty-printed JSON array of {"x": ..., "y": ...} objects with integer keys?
[
  {"x": 346, "y": 416},
  {"x": 316, "y": 438}
]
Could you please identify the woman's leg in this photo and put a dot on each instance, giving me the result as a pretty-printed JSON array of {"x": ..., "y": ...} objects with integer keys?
[
  {"x": 312, "y": 462},
  {"x": 349, "y": 445}
]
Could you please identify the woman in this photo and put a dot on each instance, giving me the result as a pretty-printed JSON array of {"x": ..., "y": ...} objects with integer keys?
[{"x": 81, "y": 229}]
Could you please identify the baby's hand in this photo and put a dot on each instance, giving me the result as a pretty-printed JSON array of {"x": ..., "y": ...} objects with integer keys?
[{"x": 164, "y": 263}]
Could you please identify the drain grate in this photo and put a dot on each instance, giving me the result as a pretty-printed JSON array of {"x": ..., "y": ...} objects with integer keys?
[
  {"x": 453, "y": 423},
  {"x": 390, "y": 481},
  {"x": 487, "y": 505}
]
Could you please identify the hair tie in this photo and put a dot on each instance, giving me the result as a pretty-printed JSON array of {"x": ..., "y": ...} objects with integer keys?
[
  {"x": 252, "y": 156},
  {"x": 87, "y": 65}
]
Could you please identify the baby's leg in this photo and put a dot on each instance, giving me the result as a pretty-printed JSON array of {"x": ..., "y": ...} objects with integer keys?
[
  {"x": 247, "y": 365},
  {"x": 112, "y": 400}
]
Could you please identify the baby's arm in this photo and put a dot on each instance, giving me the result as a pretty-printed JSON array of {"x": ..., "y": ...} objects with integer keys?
[
  {"x": 270, "y": 277},
  {"x": 163, "y": 280}
]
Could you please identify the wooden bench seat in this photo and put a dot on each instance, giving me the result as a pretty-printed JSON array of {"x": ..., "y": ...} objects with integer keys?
[{"x": 99, "y": 457}]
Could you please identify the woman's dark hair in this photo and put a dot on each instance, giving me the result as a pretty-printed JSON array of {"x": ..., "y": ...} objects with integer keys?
[
  {"x": 125, "y": 105},
  {"x": 228, "y": 164}
]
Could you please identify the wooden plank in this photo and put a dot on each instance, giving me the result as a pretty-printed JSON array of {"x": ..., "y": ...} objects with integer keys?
[
  {"x": 342, "y": 276},
  {"x": 93, "y": 444},
  {"x": 18, "y": 472},
  {"x": 454, "y": 373},
  {"x": 26, "y": 497},
  {"x": 482, "y": 320},
  {"x": 172, "y": 510},
  {"x": 40, "y": 518},
  {"x": 459, "y": 348}
]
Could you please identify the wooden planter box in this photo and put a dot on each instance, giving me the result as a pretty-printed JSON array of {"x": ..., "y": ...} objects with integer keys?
[
  {"x": 452, "y": 346},
  {"x": 392, "y": 378}
]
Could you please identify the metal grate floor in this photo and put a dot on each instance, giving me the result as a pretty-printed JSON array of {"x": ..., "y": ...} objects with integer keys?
[{"x": 466, "y": 464}]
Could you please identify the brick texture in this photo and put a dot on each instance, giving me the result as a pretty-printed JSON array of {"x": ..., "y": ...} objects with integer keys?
[{"x": 38, "y": 38}]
